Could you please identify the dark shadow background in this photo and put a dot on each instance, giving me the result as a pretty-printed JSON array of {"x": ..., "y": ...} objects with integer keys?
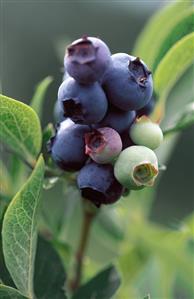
[{"x": 33, "y": 39}]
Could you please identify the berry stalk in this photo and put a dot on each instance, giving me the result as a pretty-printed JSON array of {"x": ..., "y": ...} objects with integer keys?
[{"x": 89, "y": 213}]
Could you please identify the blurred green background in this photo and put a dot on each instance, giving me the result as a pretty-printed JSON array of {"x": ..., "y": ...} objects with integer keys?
[
  {"x": 33, "y": 39},
  {"x": 34, "y": 35}
]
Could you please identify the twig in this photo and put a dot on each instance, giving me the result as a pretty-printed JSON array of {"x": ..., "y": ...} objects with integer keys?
[{"x": 88, "y": 217}]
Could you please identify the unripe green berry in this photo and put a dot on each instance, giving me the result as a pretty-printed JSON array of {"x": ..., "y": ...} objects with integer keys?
[
  {"x": 145, "y": 132},
  {"x": 136, "y": 167}
]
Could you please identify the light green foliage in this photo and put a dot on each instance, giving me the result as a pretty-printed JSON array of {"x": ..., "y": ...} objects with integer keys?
[
  {"x": 173, "y": 65},
  {"x": 159, "y": 29},
  {"x": 20, "y": 128},
  {"x": 20, "y": 231},
  {"x": 169, "y": 71},
  {"x": 39, "y": 95},
  {"x": 183, "y": 120},
  {"x": 152, "y": 256},
  {"x": 9, "y": 293},
  {"x": 182, "y": 24}
]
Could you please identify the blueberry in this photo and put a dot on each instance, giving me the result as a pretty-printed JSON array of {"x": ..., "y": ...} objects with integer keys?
[
  {"x": 87, "y": 59},
  {"x": 128, "y": 82},
  {"x": 83, "y": 104},
  {"x": 145, "y": 132},
  {"x": 118, "y": 119},
  {"x": 136, "y": 167},
  {"x": 147, "y": 109},
  {"x": 67, "y": 147},
  {"x": 98, "y": 184},
  {"x": 103, "y": 145}
]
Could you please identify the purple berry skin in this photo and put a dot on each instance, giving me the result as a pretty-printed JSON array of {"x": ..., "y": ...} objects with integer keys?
[
  {"x": 103, "y": 145},
  {"x": 128, "y": 82},
  {"x": 118, "y": 119},
  {"x": 83, "y": 104},
  {"x": 67, "y": 147},
  {"x": 98, "y": 183},
  {"x": 147, "y": 109},
  {"x": 87, "y": 59}
]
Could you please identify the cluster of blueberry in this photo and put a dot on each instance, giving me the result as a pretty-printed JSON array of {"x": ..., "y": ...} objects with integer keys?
[{"x": 102, "y": 132}]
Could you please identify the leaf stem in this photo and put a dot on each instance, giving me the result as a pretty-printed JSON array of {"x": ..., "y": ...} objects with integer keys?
[{"x": 89, "y": 213}]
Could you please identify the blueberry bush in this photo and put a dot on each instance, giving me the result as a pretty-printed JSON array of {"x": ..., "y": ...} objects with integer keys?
[{"x": 116, "y": 126}]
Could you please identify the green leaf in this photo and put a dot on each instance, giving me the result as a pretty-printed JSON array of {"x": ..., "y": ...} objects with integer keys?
[
  {"x": 49, "y": 272},
  {"x": 103, "y": 286},
  {"x": 147, "y": 297},
  {"x": 20, "y": 128},
  {"x": 39, "y": 95},
  {"x": 179, "y": 26},
  {"x": 173, "y": 65},
  {"x": 171, "y": 68},
  {"x": 156, "y": 30},
  {"x": 184, "y": 120},
  {"x": 187, "y": 226},
  {"x": 9, "y": 293},
  {"x": 19, "y": 231},
  {"x": 5, "y": 277},
  {"x": 48, "y": 132}
]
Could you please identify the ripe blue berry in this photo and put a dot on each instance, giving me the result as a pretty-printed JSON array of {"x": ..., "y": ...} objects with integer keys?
[
  {"x": 128, "y": 82},
  {"x": 103, "y": 145},
  {"x": 147, "y": 109},
  {"x": 83, "y": 104},
  {"x": 136, "y": 167},
  {"x": 98, "y": 184},
  {"x": 145, "y": 132},
  {"x": 118, "y": 119},
  {"x": 87, "y": 59},
  {"x": 67, "y": 147}
]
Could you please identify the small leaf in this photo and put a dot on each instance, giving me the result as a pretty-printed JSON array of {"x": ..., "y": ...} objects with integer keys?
[
  {"x": 157, "y": 29},
  {"x": 10, "y": 293},
  {"x": 5, "y": 277},
  {"x": 48, "y": 132},
  {"x": 19, "y": 231},
  {"x": 184, "y": 120},
  {"x": 170, "y": 69},
  {"x": 20, "y": 128},
  {"x": 179, "y": 26},
  {"x": 49, "y": 272},
  {"x": 103, "y": 286},
  {"x": 39, "y": 95},
  {"x": 173, "y": 65},
  {"x": 147, "y": 297},
  {"x": 187, "y": 226}
]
